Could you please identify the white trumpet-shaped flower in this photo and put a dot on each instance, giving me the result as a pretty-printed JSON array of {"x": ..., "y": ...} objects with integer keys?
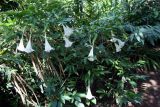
[
  {"x": 67, "y": 31},
  {"x": 118, "y": 44},
  {"x": 20, "y": 46},
  {"x": 68, "y": 43},
  {"x": 29, "y": 48},
  {"x": 48, "y": 47},
  {"x": 91, "y": 55},
  {"x": 89, "y": 94}
]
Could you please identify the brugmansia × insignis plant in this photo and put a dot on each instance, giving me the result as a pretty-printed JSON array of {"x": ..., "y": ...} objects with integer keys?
[{"x": 58, "y": 78}]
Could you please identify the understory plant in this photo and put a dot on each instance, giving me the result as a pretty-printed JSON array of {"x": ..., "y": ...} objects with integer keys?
[{"x": 76, "y": 52}]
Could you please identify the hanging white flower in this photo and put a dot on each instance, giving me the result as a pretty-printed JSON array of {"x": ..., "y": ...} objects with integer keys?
[
  {"x": 89, "y": 94},
  {"x": 68, "y": 43},
  {"x": 28, "y": 48},
  {"x": 118, "y": 48},
  {"x": 67, "y": 31},
  {"x": 21, "y": 47},
  {"x": 118, "y": 44},
  {"x": 91, "y": 55},
  {"x": 48, "y": 47},
  {"x": 41, "y": 88}
]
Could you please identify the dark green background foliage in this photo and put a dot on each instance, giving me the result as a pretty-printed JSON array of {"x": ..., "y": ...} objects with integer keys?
[{"x": 66, "y": 71}]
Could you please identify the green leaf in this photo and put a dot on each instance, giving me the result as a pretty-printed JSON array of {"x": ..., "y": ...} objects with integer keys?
[
  {"x": 65, "y": 97},
  {"x": 78, "y": 98},
  {"x": 55, "y": 104},
  {"x": 94, "y": 101},
  {"x": 82, "y": 95},
  {"x": 79, "y": 104}
]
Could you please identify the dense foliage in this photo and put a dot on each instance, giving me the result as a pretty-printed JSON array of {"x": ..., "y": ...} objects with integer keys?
[{"x": 61, "y": 77}]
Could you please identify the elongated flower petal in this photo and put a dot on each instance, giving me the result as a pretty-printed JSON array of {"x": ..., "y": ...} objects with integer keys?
[
  {"x": 21, "y": 47},
  {"x": 89, "y": 94},
  {"x": 28, "y": 48},
  {"x": 91, "y": 55},
  {"x": 48, "y": 47},
  {"x": 41, "y": 87},
  {"x": 67, "y": 31},
  {"x": 118, "y": 44},
  {"x": 113, "y": 39},
  {"x": 118, "y": 48},
  {"x": 68, "y": 43}
]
